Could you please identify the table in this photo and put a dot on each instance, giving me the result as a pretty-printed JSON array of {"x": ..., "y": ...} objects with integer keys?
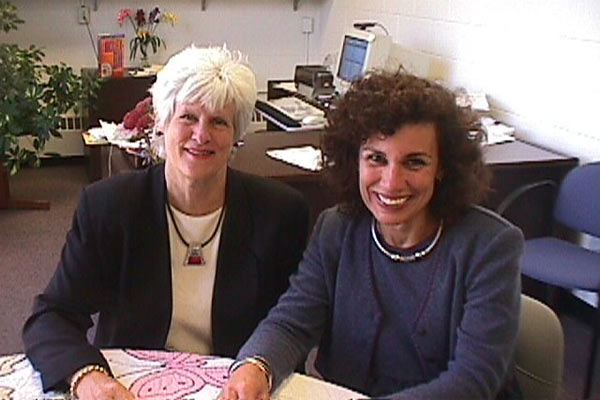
[
  {"x": 105, "y": 158},
  {"x": 513, "y": 164},
  {"x": 162, "y": 375}
]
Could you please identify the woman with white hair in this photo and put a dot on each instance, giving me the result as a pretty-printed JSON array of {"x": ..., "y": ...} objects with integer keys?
[{"x": 188, "y": 255}]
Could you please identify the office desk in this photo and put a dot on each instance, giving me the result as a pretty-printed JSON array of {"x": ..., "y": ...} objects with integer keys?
[
  {"x": 513, "y": 164},
  {"x": 161, "y": 375}
]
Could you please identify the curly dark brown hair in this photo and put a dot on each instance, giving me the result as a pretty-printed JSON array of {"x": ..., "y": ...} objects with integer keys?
[{"x": 383, "y": 102}]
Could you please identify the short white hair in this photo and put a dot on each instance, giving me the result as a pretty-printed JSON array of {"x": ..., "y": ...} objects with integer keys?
[{"x": 213, "y": 76}]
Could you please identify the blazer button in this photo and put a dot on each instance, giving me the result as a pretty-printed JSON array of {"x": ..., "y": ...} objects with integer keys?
[
  {"x": 431, "y": 360},
  {"x": 422, "y": 332}
]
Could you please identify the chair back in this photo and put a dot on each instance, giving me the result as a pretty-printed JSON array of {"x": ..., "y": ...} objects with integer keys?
[
  {"x": 540, "y": 351},
  {"x": 577, "y": 204}
]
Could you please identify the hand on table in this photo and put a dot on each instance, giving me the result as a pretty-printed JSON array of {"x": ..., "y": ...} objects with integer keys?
[
  {"x": 247, "y": 382},
  {"x": 99, "y": 386}
]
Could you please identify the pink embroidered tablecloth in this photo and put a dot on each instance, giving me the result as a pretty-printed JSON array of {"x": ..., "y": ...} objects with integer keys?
[{"x": 161, "y": 375}]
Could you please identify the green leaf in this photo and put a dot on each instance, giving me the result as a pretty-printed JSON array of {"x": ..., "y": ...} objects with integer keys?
[{"x": 34, "y": 95}]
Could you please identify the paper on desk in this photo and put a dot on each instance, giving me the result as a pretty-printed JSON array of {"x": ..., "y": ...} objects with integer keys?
[
  {"x": 307, "y": 157},
  {"x": 497, "y": 132},
  {"x": 106, "y": 130},
  {"x": 289, "y": 86},
  {"x": 302, "y": 387},
  {"x": 115, "y": 134}
]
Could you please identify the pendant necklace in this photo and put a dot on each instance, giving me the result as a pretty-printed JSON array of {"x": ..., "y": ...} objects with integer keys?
[
  {"x": 194, "y": 255},
  {"x": 410, "y": 257}
]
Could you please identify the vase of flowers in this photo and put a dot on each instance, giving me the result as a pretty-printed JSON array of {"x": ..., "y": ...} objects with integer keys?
[{"x": 145, "y": 25}]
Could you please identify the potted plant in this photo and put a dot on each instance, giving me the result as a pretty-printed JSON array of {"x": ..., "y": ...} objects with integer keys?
[
  {"x": 34, "y": 96},
  {"x": 144, "y": 26}
]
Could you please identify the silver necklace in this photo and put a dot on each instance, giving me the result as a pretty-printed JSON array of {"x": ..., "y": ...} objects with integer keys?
[
  {"x": 194, "y": 255},
  {"x": 411, "y": 257}
]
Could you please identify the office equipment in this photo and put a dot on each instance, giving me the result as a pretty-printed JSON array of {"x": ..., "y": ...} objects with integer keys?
[
  {"x": 496, "y": 132},
  {"x": 565, "y": 264},
  {"x": 313, "y": 80},
  {"x": 540, "y": 351},
  {"x": 361, "y": 52},
  {"x": 288, "y": 113}
]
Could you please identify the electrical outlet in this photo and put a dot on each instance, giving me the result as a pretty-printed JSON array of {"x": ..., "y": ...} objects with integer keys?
[
  {"x": 307, "y": 24},
  {"x": 83, "y": 14}
]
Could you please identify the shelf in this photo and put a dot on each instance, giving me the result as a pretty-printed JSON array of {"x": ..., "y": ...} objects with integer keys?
[{"x": 294, "y": 4}]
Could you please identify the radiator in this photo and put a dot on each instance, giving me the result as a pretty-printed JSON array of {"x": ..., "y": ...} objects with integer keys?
[{"x": 71, "y": 143}]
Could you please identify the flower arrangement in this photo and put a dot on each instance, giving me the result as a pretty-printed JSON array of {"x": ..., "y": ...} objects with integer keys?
[
  {"x": 138, "y": 125},
  {"x": 145, "y": 24},
  {"x": 140, "y": 120}
]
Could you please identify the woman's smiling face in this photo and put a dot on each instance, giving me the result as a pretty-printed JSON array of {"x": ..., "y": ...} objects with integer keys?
[
  {"x": 397, "y": 175},
  {"x": 198, "y": 142}
]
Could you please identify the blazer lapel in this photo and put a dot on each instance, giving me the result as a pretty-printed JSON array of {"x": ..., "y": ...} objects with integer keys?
[
  {"x": 161, "y": 250},
  {"x": 365, "y": 300},
  {"x": 357, "y": 313},
  {"x": 236, "y": 282},
  {"x": 147, "y": 280}
]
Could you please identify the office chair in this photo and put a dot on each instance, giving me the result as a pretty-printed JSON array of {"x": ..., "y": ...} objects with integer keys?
[
  {"x": 562, "y": 263},
  {"x": 533, "y": 210},
  {"x": 540, "y": 351}
]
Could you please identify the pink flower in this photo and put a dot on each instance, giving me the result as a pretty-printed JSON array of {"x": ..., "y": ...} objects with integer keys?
[
  {"x": 144, "y": 26},
  {"x": 124, "y": 13}
]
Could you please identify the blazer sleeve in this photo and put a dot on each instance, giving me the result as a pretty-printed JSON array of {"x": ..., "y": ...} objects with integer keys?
[
  {"x": 55, "y": 334},
  {"x": 296, "y": 323},
  {"x": 486, "y": 334}
]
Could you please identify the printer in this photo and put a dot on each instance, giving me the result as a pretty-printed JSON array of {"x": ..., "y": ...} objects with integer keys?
[{"x": 313, "y": 81}]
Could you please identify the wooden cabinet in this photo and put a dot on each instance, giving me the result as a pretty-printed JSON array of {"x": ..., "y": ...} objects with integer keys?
[{"x": 117, "y": 96}]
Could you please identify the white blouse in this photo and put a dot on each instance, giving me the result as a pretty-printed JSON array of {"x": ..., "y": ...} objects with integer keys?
[{"x": 191, "y": 329}]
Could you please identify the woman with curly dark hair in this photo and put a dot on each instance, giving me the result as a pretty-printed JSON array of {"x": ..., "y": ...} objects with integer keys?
[{"x": 409, "y": 289}]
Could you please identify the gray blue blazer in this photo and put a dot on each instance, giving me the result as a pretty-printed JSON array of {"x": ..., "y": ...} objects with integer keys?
[{"x": 463, "y": 333}]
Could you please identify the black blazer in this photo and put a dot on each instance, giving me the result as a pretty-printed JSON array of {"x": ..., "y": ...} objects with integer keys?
[{"x": 116, "y": 262}]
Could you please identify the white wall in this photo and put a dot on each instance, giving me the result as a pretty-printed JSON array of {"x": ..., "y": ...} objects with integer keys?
[
  {"x": 268, "y": 31},
  {"x": 538, "y": 60}
]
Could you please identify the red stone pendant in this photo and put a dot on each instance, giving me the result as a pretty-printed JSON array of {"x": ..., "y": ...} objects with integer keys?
[{"x": 194, "y": 255}]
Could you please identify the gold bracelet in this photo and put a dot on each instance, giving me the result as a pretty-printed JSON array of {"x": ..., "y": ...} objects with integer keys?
[
  {"x": 259, "y": 362},
  {"x": 80, "y": 374}
]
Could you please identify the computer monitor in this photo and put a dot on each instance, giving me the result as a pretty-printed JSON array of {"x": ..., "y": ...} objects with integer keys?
[{"x": 361, "y": 52}]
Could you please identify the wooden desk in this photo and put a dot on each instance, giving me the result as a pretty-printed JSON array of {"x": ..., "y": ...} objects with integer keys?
[
  {"x": 513, "y": 164},
  {"x": 105, "y": 160},
  {"x": 117, "y": 96}
]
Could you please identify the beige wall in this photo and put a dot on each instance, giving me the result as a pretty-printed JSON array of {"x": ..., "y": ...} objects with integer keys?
[
  {"x": 538, "y": 60},
  {"x": 268, "y": 31}
]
